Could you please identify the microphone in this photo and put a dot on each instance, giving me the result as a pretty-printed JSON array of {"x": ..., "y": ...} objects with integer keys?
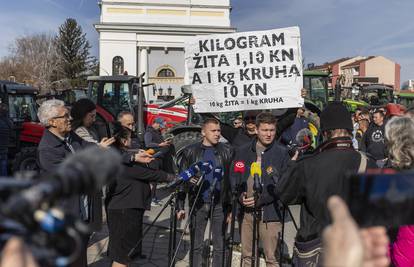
[
  {"x": 304, "y": 138},
  {"x": 239, "y": 168},
  {"x": 81, "y": 173},
  {"x": 217, "y": 176},
  {"x": 204, "y": 168},
  {"x": 256, "y": 173},
  {"x": 183, "y": 176}
]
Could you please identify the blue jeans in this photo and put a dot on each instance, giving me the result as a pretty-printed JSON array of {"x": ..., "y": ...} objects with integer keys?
[
  {"x": 3, "y": 164},
  {"x": 198, "y": 225}
]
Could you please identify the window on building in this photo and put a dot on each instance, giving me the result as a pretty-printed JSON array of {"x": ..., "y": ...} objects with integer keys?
[
  {"x": 165, "y": 72},
  {"x": 117, "y": 65}
]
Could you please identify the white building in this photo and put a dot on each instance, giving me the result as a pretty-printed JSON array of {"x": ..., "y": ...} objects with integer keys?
[{"x": 148, "y": 36}]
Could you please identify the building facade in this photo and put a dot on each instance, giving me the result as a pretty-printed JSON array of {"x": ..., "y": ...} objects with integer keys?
[
  {"x": 373, "y": 69},
  {"x": 142, "y": 36},
  {"x": 359, "y": 69}
]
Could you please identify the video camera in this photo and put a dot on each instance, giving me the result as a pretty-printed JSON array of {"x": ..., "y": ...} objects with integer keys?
[{"x": 55, "y": 237}]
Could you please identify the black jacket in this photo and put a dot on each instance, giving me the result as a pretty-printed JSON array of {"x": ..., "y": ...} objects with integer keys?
[
  {"x": 274, "y": 162},
  {"x": 5, "y": 129},
  {"x": 132, "y": 189},
  {"x": 193, "y": 154},
  {"x": 312, "y": 180},
  {"x": 52, "y": 151},
  {"x": 152, "y": 137},
  {"x": 373, "y": 141}
]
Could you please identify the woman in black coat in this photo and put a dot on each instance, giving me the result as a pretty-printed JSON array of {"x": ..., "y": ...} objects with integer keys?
[{"x": 128, "y": 197}]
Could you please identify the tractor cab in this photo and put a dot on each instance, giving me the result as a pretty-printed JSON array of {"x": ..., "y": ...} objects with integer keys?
[
  {"x": 114, "y": 94},
  {"x": 21, "y": 101},
  {"x": 26, "y": 131},
  {"x": 405, "y": 98},
  {"x": 316, "y": 85}
]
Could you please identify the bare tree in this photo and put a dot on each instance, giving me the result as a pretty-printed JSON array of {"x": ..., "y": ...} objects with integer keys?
[{"x": 33, "y": 60}]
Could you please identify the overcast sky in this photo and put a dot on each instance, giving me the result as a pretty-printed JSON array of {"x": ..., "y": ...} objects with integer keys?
[{"x": 330, "y": 29}]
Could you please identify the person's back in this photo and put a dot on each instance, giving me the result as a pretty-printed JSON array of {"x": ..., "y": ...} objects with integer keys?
[
  {"x": 313, "y": 179},
  {"x": 321, "y": 176}
]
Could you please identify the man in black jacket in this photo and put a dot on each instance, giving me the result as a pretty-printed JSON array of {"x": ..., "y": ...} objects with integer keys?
[
  {"x": 312, "y": 180},
  {"x": 58, "y": 142},
  {"x": 273, "y": 159},
  {"x": 373, "y": 141},
  {"x": 209, "y": 149}
]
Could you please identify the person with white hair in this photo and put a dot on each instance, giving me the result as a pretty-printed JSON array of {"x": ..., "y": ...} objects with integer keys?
[
  {"x": 399, "y": 134},
  {"x": 58, "y": 142}
]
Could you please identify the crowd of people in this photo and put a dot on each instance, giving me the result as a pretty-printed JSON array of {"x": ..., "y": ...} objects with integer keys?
[{"x": 297, "y": 166}]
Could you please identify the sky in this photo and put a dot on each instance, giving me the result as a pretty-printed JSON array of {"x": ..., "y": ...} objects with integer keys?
[{"x": 330, "y": 29}]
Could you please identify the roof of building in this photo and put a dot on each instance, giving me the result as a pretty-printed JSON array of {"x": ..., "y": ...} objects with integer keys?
[
  {"x": 356, "y": 63},
  {"x": 330, "y": 64}
]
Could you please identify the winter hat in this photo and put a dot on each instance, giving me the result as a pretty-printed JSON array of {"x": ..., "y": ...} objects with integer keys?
[
  {"x": 336, "y": 116},
  {"x": 82, "y": 107},
  {"x": 160, "y": 121},
  {"x": 251, "y": 115}
]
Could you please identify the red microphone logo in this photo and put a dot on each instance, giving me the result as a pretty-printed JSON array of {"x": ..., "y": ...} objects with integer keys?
[{"x": 239, "y": 167}]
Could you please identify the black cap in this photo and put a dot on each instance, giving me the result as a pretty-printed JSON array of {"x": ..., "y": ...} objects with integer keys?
[{"x": 336, "y": 116}]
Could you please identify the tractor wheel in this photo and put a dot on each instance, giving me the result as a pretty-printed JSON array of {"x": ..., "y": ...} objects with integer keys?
[
  {"x": 182, "y": 140},
  {"x": 26, "y": 160}
]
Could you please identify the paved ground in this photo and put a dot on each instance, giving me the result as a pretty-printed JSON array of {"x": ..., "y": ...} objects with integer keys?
[{"x": 155, "y": 244}]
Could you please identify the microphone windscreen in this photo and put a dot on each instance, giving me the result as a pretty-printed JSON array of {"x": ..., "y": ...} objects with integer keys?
[
  {"x": 207, "y": 167},
  {"x": 304, "y": 137},
  {"x": 218, "y": 173},
  {"x": 255, "y": 169},
  {"x": 239, "y": 167},
  {"x": 89, "y": 169},
  {"x": 186, "y": 175},
  {"x": 196, "y": 168}
]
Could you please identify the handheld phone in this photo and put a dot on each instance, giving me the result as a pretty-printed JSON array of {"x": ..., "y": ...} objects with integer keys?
[{"x": 384, "y": 199}]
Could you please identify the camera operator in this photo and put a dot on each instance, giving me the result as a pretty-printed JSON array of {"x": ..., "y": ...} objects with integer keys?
[
  {"x": 312, "y": 180},
  {"x": 127, "y": 199},
  {"x": 273, "y": 159},
  {"x": 220, "y": 154}
]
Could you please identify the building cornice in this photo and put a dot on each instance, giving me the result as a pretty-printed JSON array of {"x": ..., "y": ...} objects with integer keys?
[
  {"x": 161, "y": 28},
  {"x": 163, "y": 5}
]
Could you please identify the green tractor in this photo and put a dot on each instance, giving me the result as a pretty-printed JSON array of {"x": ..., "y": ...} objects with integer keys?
[
  {"x": 370, "y": 96},
  {"x": 405, "y": 98},
  {"x": 316, "y": 85}
]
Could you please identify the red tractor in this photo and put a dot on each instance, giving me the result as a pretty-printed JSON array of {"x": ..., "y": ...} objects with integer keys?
[
  {"x": 26, "y": 131},
  {"x": 114, "y": 94}
]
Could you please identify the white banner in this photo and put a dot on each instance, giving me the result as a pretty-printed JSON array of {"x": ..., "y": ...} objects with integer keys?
[{"x": 245, "y": 70}]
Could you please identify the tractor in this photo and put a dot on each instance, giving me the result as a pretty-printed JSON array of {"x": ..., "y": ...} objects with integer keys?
[
  {"x": 26, "y": 131},
  {"x": 113, "y": 94},
  {"x": 370, "y": 96},
  {"x": 406, "y": 98},
  {"x": 316, "y": 85}
]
